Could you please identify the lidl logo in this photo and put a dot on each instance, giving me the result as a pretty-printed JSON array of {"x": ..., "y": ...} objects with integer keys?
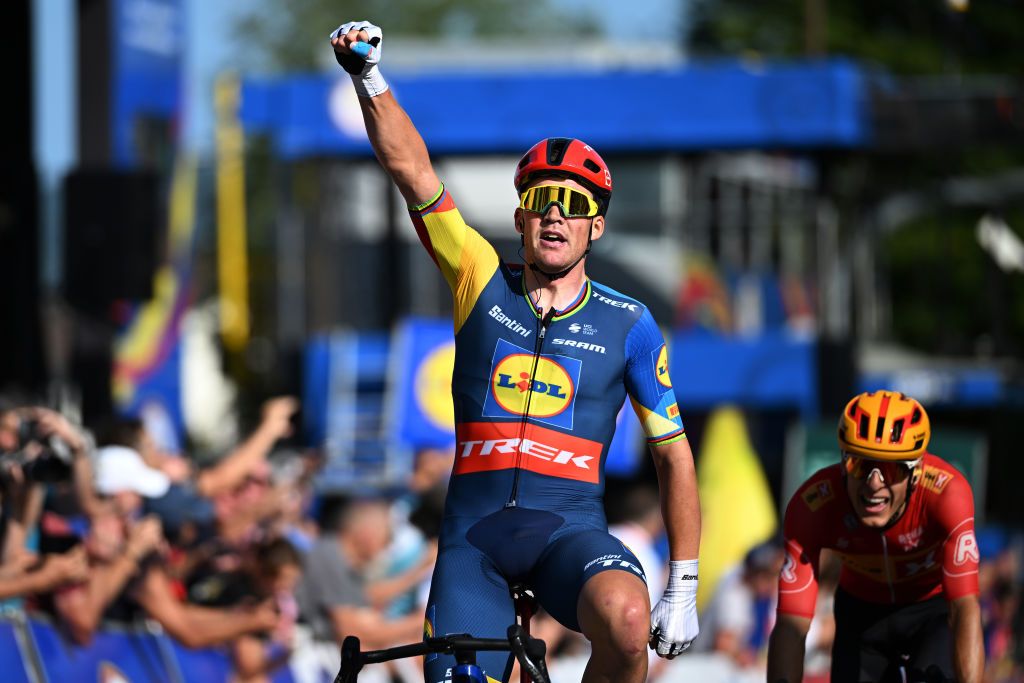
[
  {"x": 433, "y": 387},
  {"x": 545, "y": 385},
  {"x": 661, "y": 368}
]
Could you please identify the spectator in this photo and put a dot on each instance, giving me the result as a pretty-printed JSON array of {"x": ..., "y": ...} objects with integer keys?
[
  {"x": 739, "y": 617},
  {"x": 416, "y": 516},
  {"x": 270, "y": 573},
  {"x": 37, "y": 445},
  {"x": 336, "y": 600}
]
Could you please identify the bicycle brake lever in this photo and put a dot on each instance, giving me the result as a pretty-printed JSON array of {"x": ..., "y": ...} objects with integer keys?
[{"x": 530, "y": 653}]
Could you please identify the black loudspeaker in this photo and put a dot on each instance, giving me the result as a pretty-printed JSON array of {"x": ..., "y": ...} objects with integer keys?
[
  {"x": 111, "y": 226},
  {"x": 837, "y": 375}
]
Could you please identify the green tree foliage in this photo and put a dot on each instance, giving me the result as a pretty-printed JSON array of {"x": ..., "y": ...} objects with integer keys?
[
  {"x": 916, "y": 37},
  {"x": 291, "y": 35}
]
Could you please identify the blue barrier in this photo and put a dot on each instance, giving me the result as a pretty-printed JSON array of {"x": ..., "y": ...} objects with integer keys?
[
  {"x": 13, "y": 662},
  {"x": 208, "y": 664},
  {"x": 134, "y": 656},
  {"x": 34, "y": 650}
]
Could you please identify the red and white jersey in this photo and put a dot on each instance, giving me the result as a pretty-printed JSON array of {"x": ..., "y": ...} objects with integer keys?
[{"x": 930, "y": 550}]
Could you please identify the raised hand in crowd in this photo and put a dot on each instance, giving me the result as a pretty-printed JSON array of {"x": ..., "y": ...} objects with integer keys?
[
  {"x": 19, "y": 579},
  {"x": 231, "y": 471}
]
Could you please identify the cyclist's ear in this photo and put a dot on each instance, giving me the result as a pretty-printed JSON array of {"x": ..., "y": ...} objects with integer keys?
[
  {"x": 519, "y": 221},
  {"x": 597, "y": 227}
]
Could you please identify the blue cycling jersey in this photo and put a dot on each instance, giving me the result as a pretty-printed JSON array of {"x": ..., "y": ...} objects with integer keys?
[{"x": 536, "y": 399}]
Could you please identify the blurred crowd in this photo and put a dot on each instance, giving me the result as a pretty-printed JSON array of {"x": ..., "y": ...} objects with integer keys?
[{"x": 103, "y": 525}]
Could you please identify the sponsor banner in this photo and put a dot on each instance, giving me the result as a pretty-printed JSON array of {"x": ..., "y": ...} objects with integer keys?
[
  {"x": 420, "y": 383},
  {"x": 489, "y": 446}
]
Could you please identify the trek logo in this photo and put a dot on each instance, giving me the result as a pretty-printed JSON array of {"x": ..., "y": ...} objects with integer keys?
[
  {"x": 614, "y": 561},
  {"x": 489, "y": 446},
  {"x": 546, "y": 383},
  {"x": 660, "y": 358},
  {"x": 508, "y": 322},
  {"x": 607, "y": 172},
  {"x": 614, "y": 303},
  {"x": 596, "y": 348}
]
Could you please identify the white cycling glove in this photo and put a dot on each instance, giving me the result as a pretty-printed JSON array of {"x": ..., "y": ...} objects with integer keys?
[
  {"x": 674, "y": 618},
  {"x": 362, "y": 63}
]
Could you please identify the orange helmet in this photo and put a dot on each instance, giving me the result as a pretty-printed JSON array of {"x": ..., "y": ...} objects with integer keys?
[{"x": 884, "y": 425}]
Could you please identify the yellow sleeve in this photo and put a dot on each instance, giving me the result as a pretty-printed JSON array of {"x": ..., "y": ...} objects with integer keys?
[{"x": 467, "y": 261}]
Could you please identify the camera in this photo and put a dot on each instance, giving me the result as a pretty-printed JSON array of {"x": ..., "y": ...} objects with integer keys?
[{"x": 46, "y": 460}]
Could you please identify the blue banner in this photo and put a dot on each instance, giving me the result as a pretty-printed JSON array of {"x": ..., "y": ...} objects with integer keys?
[
  {"x": 420, "y": 383},
  {"x": 147, "y": 62},
  {"x": 771, "y": 370},
  {"x": 819, "y": 103}
]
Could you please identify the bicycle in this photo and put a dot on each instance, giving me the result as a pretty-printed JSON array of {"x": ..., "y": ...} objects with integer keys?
[{"x": 530, "y": 653}]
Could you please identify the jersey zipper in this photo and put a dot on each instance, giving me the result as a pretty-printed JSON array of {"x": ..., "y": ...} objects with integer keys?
[
  {"x": 888, "y": 574},
  {"x": 542, "y": 328}
]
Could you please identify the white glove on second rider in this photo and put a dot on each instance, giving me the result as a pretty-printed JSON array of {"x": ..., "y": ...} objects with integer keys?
[
  {"x": 361, "y": 64},
  {"x": 674, "y": 618}
]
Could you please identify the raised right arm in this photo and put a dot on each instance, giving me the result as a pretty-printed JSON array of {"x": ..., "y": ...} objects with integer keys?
[{"x": 394, "y": 138}]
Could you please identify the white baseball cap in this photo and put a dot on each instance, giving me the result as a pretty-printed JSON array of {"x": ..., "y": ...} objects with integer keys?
[{"x": 119, "y": 469}]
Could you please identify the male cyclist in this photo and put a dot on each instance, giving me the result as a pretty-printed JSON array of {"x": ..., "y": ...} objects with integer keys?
[
  {"x": 901, "y": 521},
  {"x": 544, "y": 359}
]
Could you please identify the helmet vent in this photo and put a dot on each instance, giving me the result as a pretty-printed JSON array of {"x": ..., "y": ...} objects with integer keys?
[
  {"x": 919, "y": 444},
  {"x": 557, "y": 148},
  {"x": 862, "y": 427},
  {"x": 591, "y": 166},
  {"x": 916, "y": 416},
  {"x": 879, "y": 429},
  {"x": 524, "y": 161},
  {"x": 897, "y": 431}
]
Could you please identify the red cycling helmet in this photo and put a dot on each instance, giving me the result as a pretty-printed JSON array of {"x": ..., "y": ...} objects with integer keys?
[{"x": 567, "y": 158}]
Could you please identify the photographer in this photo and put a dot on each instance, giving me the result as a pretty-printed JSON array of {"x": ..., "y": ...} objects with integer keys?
[{"x": 37, "y": 447}]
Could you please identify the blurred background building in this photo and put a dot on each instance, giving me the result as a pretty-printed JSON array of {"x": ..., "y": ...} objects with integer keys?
[{"x": 814, "y": 198}]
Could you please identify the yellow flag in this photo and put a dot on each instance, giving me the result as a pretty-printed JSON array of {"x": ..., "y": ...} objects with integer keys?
[{"x": 737, "y": 509}]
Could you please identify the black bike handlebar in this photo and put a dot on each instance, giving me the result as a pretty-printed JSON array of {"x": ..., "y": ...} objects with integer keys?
[{"x": 529, "y": 651}]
